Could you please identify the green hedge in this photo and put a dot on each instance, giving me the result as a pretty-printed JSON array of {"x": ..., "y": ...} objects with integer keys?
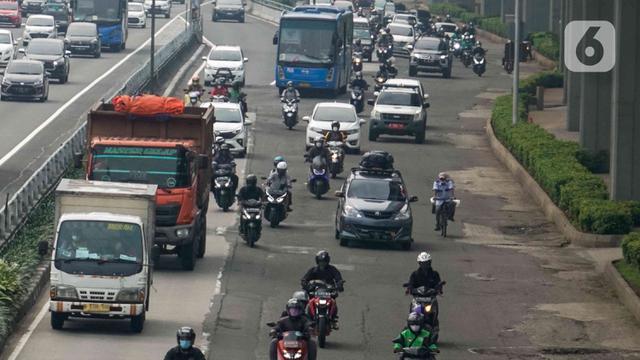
[
  {"x": 547, "y": 44},
  {"x": 454, "y": 10},
  {"x": 555, "y": 166},
  {"x": 494, "y": 25},
  {"x": 631, "y": 249}
]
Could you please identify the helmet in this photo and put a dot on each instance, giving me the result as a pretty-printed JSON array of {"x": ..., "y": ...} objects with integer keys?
[
  {"x": 185, "y": 336},
  {"x": 415, "y": 322},
  {"x": 225, "y": 147},
  {"x": 478, "y": 44},
  {"x": 289, "y": 84},
  {"x": 236, "y": 85},
  {"x": 282, "y": 165},
  {"x": 424, "y": 257},
  {"x": 294, "y": 308},
  {"x": 387, "y": 30},
  {"x": 323, "y": 256},
  {"x": 219, "y": 140},
  {"x": 359, "y": 75},
  {"x": 438, "y": 18},
  {"x": 358, "y": 42},
  {"x": 302, "y": 297},
  {"x": 278, "y": 159},
  {"x": 195, "y": 79},
  {"x": 443, "y": 176},
  {"x": 335, "y": 124},
  {"x": 318, "y": 141},
  {"x": 252, "y": 180}
]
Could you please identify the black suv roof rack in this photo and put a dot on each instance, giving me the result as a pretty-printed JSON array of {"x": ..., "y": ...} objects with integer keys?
[{"x": 376, "y": 171}]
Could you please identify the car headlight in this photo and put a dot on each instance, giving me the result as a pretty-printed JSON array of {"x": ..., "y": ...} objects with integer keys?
[
  {"x": 375, "y": 114},
  {"x": 38, "y": 83},
  {"x": 317, "y": 130},
  {"x": 131, "y": 295},
  {"x": 63, "y": 292},
  {"x": 442, "y": 57},
  {"x": 417, "y": 116},
  {"x": 352, "y": 131},
  {"x": 236, "y": 132},
  {"x": 182, "y": 233},
  {"x": 350, "y": 211},
  {"x": 404, "y": 213},
  {"x": 55, "y": 63},
  {"x": 94, "y": 41}
]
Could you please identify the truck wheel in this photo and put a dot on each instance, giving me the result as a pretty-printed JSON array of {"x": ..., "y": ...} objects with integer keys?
[
  {"x": 420, "y": 136},
  {"x": 57, "y": 320},
  {"x": 202, "y": 238},
  {"x": 188, "y": 256},
  {"x": 137, "y": 323}
]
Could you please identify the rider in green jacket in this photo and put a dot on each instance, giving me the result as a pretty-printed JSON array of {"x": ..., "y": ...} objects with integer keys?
[{"x": 414, "y": 335}]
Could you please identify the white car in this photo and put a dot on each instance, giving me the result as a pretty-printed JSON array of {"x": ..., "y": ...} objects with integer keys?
[
  {"x": 325, "y": 113},
  {"x": 39, "y": 26},
  {"x": 449, "y": 28},
  {"x": 162, "y": 7},
  {"x": 136, "y": 15},
  {"x": 225, "y": 56},
  {"x": 406, "y": 83},
  {"x": 231, "y": 125},
  {"x": 403, "y": 35},
  {"x": 398, "y": 111},
  {"x": 7, "y": 47},
  {"x": 405, "y": 19}
]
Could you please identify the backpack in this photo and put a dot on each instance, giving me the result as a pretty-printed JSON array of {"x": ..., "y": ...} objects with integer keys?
[{"x": 377, "y": 159}]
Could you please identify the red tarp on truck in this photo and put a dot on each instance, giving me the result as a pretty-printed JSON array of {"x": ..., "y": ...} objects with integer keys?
[{"x": 148, "y": 105}]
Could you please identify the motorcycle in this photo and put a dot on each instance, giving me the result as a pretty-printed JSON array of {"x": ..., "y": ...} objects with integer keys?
[
  {"x": 391, "y": 70},
  {"x": 357, "y": 99},
  {"x": 444, "y": 212},
  {"x": 466, "y": 57},
  {"x": 251, "y": 221},
  {"x": 356, "y": 62},
  {"x": 336, "y": 163},
  {"x": 456, "y": 48},
  {"x": 291, "y": 345},
  {"x": 526, "y": 51},
  {"x": 507, "y": 64},
  {"x": 192, "y": 97},
  {"x": 276, "y": 208},
  {"x": 479, "y": 66},
  {"x": 318, "y": 182},
  {"x": 422, "y": 353},
  {"x": 322, "y": 308},
  {"x": 290, "y": 112},
  {"x": 223, "y": 186},
  {"x": 379, "y": 82},
  {"x": 426, "y": 302},
  {"x": 384, "y": 52}
]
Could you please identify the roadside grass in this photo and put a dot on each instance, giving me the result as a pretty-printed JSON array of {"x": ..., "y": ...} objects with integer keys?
[{"x": 630, "y": 274}]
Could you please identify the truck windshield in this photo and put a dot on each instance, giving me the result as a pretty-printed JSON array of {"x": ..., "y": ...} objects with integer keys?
[
  {"x": 94, "y": 247},
  {"x": 166, "y": 167}
]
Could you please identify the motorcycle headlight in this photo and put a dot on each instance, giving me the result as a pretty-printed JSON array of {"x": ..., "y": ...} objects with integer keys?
[
  {"x": 322, "y": 302},
  {"x": 442, "y": 57},
  {"x": 350, "y": 211},
  {"x": 182, "y": 233},
  {"x": 63, "y": 292},
  {"x": 270, "y": 198},
  {"x": 456, "y": 46},
  {"x": 403, "y": 214},
  {"x": 427, "y": 308},
  {"x": 131, "y": 295},
  {"x": 281, "y": 199}
]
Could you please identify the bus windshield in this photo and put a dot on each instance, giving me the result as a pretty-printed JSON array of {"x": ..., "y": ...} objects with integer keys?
[
  {"x": 103, "y": 11},
  {"x": 307, "y": 41}
]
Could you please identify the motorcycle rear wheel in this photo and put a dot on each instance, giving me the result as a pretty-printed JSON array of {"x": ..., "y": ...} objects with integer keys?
[
  {"x": 322, "y": 332},
  {"x": 252, "y": 236}
]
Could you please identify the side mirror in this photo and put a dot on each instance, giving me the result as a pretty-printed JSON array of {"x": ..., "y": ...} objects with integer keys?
[
  {"x": 67, "y": 53},
  {"x": 21, "y": 51},
  {"x": 263, "y": 177},
  {"x": 203, "y": 161},
  {"x": 426, "y": 96},
  {"x": 248, "y": 122},
  {"x": 271, "y": 324},
  {"x": 306, "y": 118},
  {"x": 77, "y": 160},
  {"x": 275, "y": 39},
  {"x": 413, "y": 199},
  {"x": 246, "y": 59},
  {"x": 370, "y": 102},
  {"x": 410, "y": 47},
  {"x": 339, "y": 194},
  {"x": 15, "y": 43},
  {"x": 362, "y": 121},
  {"x": 43, "y": 247},
  {"x": 426, "y": 105}
]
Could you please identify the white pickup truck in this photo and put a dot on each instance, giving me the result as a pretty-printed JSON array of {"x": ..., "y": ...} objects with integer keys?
[{"x": 101, "y": 254}]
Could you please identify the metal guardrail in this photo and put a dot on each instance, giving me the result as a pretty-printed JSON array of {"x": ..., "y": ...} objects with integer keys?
[
  {"x": 273, "y": 4},
  {"x": 16, "y": 208}
]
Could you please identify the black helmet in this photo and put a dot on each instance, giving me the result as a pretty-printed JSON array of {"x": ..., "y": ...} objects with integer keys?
[
  {"x": 358, "y": 42},
  {"x": 335, "y": 124},
  {"x": 387, "y": 30},
  {"x": 252, "y": 180},
  {"x": 186, "y": 333},
  {"x": 358, "y": 75},
  {"x": 415, "y": 319},
  {"x": 225, "y": 146},
  {"x": 323, "y": 256},
  {"x": 294, "y": 308}
]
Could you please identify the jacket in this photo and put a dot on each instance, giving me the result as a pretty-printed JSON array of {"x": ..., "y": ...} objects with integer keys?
[
  {"x": 177, "y": 354},
  {"x": 408, "y": 339},
  {"x": 331, "y": 275}
]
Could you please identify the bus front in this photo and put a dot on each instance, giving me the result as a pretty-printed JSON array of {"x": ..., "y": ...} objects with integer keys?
[
  {"x": 109, "y": 15},
  {"x": 307, "y": 53}
]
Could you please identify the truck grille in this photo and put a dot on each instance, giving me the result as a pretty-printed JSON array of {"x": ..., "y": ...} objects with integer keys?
[
  {"x": 397, "y": 117},
  {"x": 167, "y": 215},
  {"x": 97, "y": 295}
]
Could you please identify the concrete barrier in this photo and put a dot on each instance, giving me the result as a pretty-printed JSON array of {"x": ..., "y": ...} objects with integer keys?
[
  {"x": 625, "y": 293},
  {"x": 264, "y": 11}
]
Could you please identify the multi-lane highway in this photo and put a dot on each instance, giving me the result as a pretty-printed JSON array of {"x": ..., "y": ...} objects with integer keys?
[{"x": 514, "y": 290}]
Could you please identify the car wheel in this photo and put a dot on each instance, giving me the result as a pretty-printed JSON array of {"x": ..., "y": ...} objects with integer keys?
[
  {"x": 413, "y": 71},
  {"x": 3, "y": 98},
  {"x": 242, "y": 154},
  {"x": 97, "y": 54},
  {"x": 213, "y": 18},
  {"x": 241, "y": 19},
  {"x": 337, "y": 234},
  {"x": 344, "y": 242},
  {"x": 373, "y": 136},
  {"x": 144, "y": 26},
  {"x": 420, "y": 135},
  {"x": 18, "y": 26}
]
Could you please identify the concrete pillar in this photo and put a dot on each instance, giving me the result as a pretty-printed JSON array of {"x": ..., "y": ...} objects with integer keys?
[
  {"x": 574, "y": 80},
  {"x": 595, "y": 92},
  {"x": 625, "y": 101},
  {"x": 551, "y": 7}
]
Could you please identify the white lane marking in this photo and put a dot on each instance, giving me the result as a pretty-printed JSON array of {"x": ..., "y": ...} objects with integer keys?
[
  {"x": 62, "y": 108},
  {"x": 172, "y": 85},
  {"x": 273, "y": 83},
  {"x": 32, "y": 327}
]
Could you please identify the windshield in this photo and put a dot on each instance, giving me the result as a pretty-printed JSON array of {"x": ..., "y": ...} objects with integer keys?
[
  {"x": 135, "y": 7},
  {"x": 55, "y": 8},
  {"x": 24, "y": 68},
  {"x": 82, "y": 29},
  {"x": 376, "y": 190},
  {"x": 229, "y": 2},
  {"x": 98, "y": 10},
  {"x": 430, "y": 44},
  {"x": 389, "y": 8},
  {"x": 5, "y": 39},
  {"x": 91, "y": 244},
  {"x": 5, "y": 5},
  {"x": 166, "y": 167},
  {"x": 228, "y": 115},
  {"x": 32, "y": 21},
  {"x": 307, "y": 41},
  {"x": 45, "y": 48},
  {"x": 401, "y": 30},
  {"x": 225, "y": 55},
  {"x": 398, "y": 99},
  {"x": 326, "y": 113},
  {"x": 343, "y": 5},
  {"x": 362, "y": 34},
  {"x": 448, "y": 27}
]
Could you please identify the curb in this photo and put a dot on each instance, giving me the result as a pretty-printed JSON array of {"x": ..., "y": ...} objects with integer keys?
[
  {"x": 625, "y": 293},
  {"x": 551, "y": 211},
  {"x": 544, "y": 61}
]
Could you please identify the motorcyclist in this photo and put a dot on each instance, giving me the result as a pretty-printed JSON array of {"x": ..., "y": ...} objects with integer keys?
[
  {"x": 217, "y": 143},
  {"x": 220, "y": 89},
  {"x": 392, "y": 71},
  {"x": 185, "y": 349},
  {"x": 359, "y": 82},
  {"x": 224, "y": 157},
  {"x": 250, "y": 191},
  {"x": 237, "y": 96},
  {"x": 303, "y": 299},
  {"x": 385, "y": 38},
  {"x": 478, "y": 50},
  {"x": 414, "y": 336},
  {"x": 318, "y": 149},
  {"x": 443, "y": 191},
  {"x": 508, "y": 52},
  {"x": 195, "y": 85},
  {"x": 382, "y": 72},
  {"x": 357, "y": 47},
  {"x": 326, "y": 272},
  {"x": 290, "y": 92},
  {"x": 447, "y": 18},
  {"x": 472, "y": 28},
  {"x": 281, "y": 181},
  {"x": 425, "y": 276},
  {"x": 294, "y": 321},
  {"x": 335, "y": 134}
]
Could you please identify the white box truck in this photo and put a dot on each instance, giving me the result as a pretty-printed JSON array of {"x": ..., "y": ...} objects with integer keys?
[{"x": 101, "y": 259}]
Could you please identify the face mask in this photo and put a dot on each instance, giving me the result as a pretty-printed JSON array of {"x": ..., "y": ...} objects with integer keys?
[
  {"x": 335, "y": 129},
  {"x": 185, "y": 344},
  {"x": 415, "y": 328}
]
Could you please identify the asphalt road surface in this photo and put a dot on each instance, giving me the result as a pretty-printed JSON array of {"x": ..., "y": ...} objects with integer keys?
[{"x": 514, "y": 290}]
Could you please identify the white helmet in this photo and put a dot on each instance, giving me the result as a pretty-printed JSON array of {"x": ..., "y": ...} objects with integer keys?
[
  {"x": 281, "y": 165},
  {"x": 424, "y": 257}
]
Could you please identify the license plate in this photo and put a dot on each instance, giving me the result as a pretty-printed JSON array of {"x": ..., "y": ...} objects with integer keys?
[
  {"x": 80, "y": 46},
  {"x": 96, "y": 308},
  {"x": 396, "y": 126},
  {"x": 304, "y": 85}
]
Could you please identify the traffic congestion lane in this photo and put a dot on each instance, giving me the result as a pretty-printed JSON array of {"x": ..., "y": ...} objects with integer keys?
[{"x": 491, "y": 259}]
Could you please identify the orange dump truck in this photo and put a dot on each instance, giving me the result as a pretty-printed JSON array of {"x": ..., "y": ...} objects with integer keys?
[{"x": 171, "y": 151}]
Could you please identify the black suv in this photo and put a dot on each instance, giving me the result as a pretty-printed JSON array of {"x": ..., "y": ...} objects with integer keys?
[
  {"x": 430, "y": 54},
  {"x": 228, "y": 9},
  {"x": 24, "y": 79},
  {"x": 52, "y": 53},
  {"x": 60, "y": 12},
  {"x": 374, "y": 206},
  {"x": 83, "y": 38}
]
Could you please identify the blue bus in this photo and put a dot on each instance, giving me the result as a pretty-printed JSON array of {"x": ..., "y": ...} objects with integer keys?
[
  {"x": 314, "y": 48},
  {"x": 109, "y": 15}
]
